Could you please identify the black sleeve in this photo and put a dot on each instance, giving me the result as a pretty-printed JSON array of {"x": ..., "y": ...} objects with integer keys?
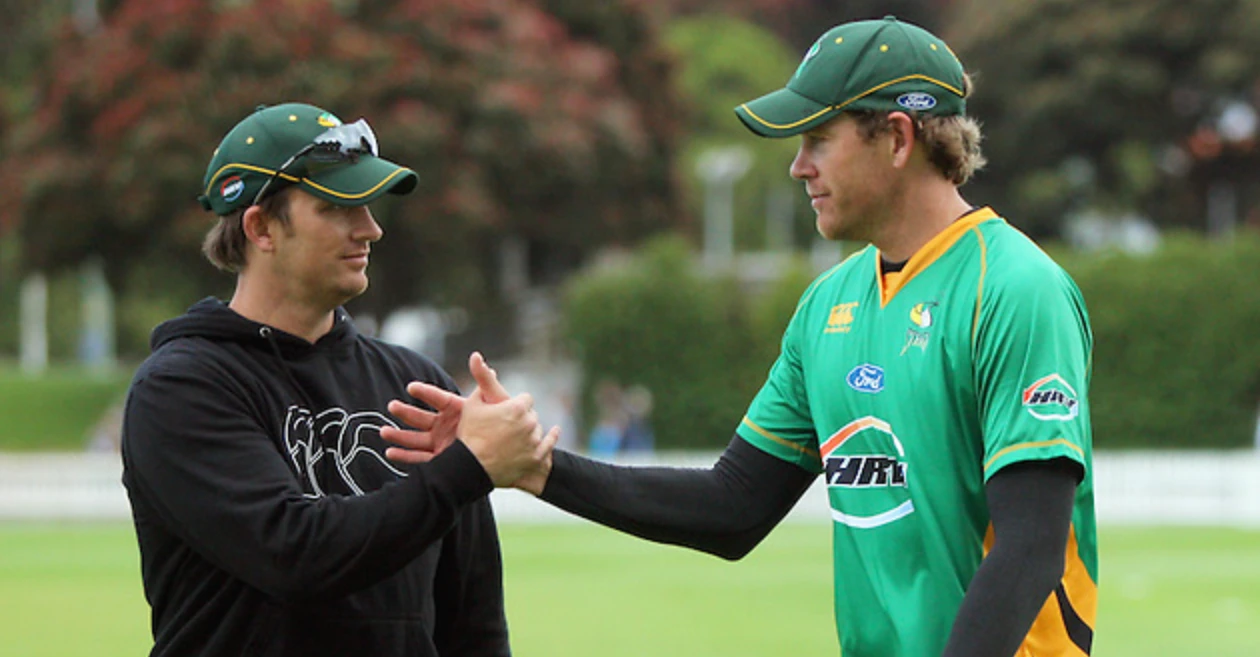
[
  {"x": 723, "y": 510},
  {"x": 213, "y": 476},
  {"x": 468, "y": 588},
  {"x": 1030, "y": 506}
]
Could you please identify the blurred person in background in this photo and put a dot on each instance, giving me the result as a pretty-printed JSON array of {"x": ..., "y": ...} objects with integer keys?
[
  {"x": 938, "y": 380},
  {"x": 638, "y": 437},
  {"x": 268, "y": 518},
  {"x": 611, "y": 419}
]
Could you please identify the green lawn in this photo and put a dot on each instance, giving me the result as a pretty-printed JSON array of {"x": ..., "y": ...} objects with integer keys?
[
  {"x": 582, "y": 590},
  {"x": 57, "y": 410}
]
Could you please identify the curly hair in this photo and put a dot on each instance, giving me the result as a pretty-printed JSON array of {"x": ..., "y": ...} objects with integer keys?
[{"x": 952, "y": 142}]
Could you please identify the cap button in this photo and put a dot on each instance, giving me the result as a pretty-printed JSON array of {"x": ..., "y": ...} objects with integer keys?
[{"x": 890, "y": 17}]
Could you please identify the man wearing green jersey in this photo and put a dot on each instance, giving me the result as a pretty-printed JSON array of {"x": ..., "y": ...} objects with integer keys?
[{"x": 936, "y": 379}]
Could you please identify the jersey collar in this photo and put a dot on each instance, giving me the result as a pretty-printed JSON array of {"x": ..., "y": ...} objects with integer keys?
[{"x": 928, "y": 253}]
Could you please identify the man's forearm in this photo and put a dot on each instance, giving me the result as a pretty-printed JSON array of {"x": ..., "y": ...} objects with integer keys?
[
  {"x": 1031, "y": 508},
  {"x": 724, "y": 510}
]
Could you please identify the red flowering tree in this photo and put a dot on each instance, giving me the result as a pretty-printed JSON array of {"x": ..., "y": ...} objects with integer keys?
[{"x": 551, "y": 122}]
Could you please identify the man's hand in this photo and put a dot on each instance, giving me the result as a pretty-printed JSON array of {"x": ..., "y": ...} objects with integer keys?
[{"x": 501, "y": 431}]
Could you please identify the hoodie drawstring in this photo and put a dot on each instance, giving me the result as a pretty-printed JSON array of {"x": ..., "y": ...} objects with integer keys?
[{"x": 269, "y": 335}]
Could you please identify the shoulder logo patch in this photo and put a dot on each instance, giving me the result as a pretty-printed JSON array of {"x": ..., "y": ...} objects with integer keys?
[{"x": 1051, "y": 398}]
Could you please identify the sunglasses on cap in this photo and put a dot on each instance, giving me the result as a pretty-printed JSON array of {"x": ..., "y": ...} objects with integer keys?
[{"x": 337, "y": 145}]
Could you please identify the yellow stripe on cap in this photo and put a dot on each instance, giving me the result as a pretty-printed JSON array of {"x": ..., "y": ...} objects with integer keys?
[
  {"x": 333, "y": 192},
  {"x": 917, "y": 76},
  {"x": 306, "y": 181},
  {"x": 831, "y": 108},
  {"x": 786, "y": 125},
  {"x": 247, "y": 167}
]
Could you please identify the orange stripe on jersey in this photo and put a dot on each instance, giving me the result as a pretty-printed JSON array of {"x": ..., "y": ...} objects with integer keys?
[
  {"x": 851, "y": 428},
  {"x": 1065, "y": 625}
]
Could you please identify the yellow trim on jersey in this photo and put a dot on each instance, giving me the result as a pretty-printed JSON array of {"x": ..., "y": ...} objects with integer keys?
[
  {"x": 1049, "y": 635},
  {"x": 1042, "y": 443},
  {"x": 930, "y": 253},
  {"x": 984, "y": 269},
  {"x": 779, "y": 441}
]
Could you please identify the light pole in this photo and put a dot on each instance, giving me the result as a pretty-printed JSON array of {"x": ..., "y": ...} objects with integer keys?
[{"x": 720, "y": 169}]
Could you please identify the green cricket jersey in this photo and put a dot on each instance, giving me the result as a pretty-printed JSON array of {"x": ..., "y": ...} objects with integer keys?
[{"x": 907, "y": 391}]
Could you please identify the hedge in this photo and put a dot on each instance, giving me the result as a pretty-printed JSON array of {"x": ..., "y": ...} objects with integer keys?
[
  {"x": 701, "y": 346},
  {"x": 1177, "y": 343}
]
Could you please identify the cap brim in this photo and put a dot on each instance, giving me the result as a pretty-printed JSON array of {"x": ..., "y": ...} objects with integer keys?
[
  {"x": 783, "y": 113},
  {"x": 361, "y": 182}
]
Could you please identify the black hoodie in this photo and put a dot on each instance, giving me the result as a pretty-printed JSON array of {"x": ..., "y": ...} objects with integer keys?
[{"x": 268, "y": 519}]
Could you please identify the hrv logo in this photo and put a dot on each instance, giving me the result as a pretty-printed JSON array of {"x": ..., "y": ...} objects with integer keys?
[
  {"x": 865, "y": 471},
  {"x": 1051, "y": 398}
]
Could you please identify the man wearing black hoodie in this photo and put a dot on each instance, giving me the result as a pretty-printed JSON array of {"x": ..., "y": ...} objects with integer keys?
[{"x": 268, "y": 518}]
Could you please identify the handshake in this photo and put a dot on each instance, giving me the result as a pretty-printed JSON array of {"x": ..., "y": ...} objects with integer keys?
[{"x": 501, "y": 431}]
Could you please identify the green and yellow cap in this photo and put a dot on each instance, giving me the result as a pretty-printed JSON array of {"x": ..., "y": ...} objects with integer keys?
[
  {"x": 884, "y": 65},
  {"x": 263, "y": 142}
]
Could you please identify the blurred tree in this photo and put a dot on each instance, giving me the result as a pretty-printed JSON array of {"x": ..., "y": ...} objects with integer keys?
[
  {"x": 555, "y": 129},
  {"x": 1114, "y": 105},
  {"x": 800, "y": 22},
  {"x": 715, "y": 74}
]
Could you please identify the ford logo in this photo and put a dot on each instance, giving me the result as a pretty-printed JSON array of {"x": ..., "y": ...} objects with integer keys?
[
  {"x": 866, "y": 378},
  {"x": 916, "y": 100}
]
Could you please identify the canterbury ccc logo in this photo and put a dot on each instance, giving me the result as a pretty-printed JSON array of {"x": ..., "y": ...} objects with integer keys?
[
  {"x": 865, "y": 462},
  {"x": 1051, "y": 398}
]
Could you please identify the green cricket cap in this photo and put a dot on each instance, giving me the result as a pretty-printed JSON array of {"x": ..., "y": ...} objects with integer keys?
[
  {"x": 885, "y": 65},
  {"x": 264, "y": 141}
]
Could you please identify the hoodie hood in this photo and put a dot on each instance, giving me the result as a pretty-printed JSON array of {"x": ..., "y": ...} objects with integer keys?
[{"x": 212, "y": 319}]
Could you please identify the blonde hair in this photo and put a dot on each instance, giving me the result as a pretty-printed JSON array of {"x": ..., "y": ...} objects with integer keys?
[{"x": 952, "y": 142}]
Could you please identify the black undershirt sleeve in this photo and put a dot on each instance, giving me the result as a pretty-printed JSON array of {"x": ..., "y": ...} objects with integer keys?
[
  {"x": 1030, "y": 506},
  {"x": 724, "y": 510}
]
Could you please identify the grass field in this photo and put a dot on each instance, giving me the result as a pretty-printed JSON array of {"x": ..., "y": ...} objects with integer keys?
[
  {"x": 56, "y": 410},
  {"x": 582, "y": 590}
]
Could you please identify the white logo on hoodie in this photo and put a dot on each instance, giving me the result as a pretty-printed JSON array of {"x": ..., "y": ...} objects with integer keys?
[{"x": 350, "y": 440}]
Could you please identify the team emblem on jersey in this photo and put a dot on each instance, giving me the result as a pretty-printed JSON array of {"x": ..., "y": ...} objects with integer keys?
[
  {"x": 921, "y": 320},
  {"x": 865, "y": 468},
  {"x": 841, "y": 318},
  {"x": 1051, "y": 398},
  {"x": 866, "y": 378}
]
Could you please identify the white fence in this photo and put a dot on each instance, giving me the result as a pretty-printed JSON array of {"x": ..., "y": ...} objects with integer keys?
[{"x": 1148, "y": 488}]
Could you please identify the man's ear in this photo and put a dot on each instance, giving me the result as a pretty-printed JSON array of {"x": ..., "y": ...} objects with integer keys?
[
  {"x": 259, "y": 228},
  {"x": 901, "y": 128}
]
